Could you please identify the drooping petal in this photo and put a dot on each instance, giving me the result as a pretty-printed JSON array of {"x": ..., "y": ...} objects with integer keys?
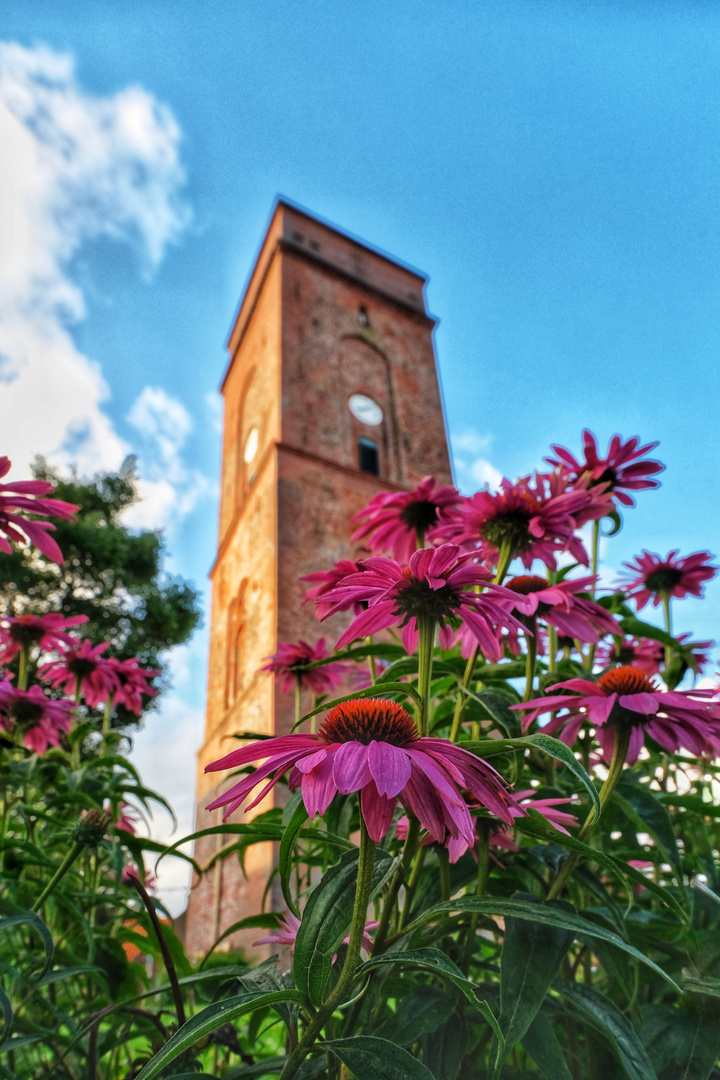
[
  {"x": 351, "y": 770},
  {"x": 377, "y": 811},
  {"x": 390, "y": 767},
  {"x": 318, "y": 787}
]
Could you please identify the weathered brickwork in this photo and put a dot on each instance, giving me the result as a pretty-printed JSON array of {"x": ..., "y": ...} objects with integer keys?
[{"x": 323, "y": 318}]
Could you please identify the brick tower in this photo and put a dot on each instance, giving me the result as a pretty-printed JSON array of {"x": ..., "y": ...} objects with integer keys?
[{"x": 331, "y": 396}]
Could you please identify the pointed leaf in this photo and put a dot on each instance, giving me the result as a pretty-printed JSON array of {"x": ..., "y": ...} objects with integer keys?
[
  {"x": 430, "y": 960},
  {"x": 287, "y": 843},
  {"x": 606, "y": 1016},
  {"x": 531, "y": 958},
  {"x": 444, "y": 1049},
  {"x": 326, "y": 921},
  {"x": 209, "y": 1020},
  {"x": 370, "y": 1058},
  {"x": 541, "y": 1043},
  {"x": 31, "y": 919},
  {"x": 7, "y": 1015},
  {"x": 422, "y": 1010},
  {"x": 648, "y": 814},
  {"x": 543, "y": 913}
]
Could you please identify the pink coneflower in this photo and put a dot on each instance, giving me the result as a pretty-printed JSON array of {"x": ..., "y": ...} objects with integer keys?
[
  {"x": 289, "y": 925},
  {"x": 625, "y": 697},
  {"x": 41, "y": 720},
  {"x": 290, "y": 663},
  {"x": 525, "y": 518},
  {"x": 432, "y": 586},
  {"x": 26, "y": 631},
  {"x": 621, "y": 470},
  {"x": 373, "y": 747},
  {"x": 130, "y": 682},
  {"x": 642, "y": 653},
  {"x": 131, "y": 874},
  {"x": 82, "y": 670},
  {"x": 127, "y": 818},
  {"x": 654, "y": 578},
  {"x": 401, "y": 521},
  {"x": 560, "y": 606},
  {"x": 501, "y": 836},
  {"x": 327, "y": 580},
  {"x": 699, "y": 651},
  {"x": 23, "y": 497}
]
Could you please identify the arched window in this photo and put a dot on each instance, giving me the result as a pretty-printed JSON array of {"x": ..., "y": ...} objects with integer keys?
[
  {"x": 368, "y": 456},
  {"x": 235, "y": 636}
]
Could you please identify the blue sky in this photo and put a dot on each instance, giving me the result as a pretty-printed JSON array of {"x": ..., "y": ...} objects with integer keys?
[{"x": 552, "y": 166}]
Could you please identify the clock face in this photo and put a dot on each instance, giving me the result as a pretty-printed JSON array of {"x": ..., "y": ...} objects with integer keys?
[
  {"x": 251, "y": 446},
  {"x": 365, "y": 410}
]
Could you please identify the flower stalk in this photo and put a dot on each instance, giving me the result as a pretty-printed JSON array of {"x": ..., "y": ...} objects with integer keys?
[
  {"x": 426, "y": 648},
  {"x": 59, "y": 874},
  {"x": 366, "y": 862},
  {"x": 620, "y": 752}
]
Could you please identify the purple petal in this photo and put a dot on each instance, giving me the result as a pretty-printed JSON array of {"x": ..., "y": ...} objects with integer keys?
[
  {"x": 318, "y": 787},
  {"x": 377, "y": 811},
  {"x": 390, "y": 767},
  {"x": 351, "y": 770},
  {"x": 647, "y": 704}
]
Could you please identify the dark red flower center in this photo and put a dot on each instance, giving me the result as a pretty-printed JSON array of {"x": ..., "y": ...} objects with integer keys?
[
  {"x": 415, "y": 599},
  {"x": 663, "y": 579},
  {"x": 365, "y": 720},
  {"x": 527, "y": 583},
  {"x": 608, "y": 477},
  {"x": 626, "y": 680},
  {"x": 25, "y": 712},
  {"x": 511, "y": 524},
  {"x": 419, "y": 515},
  {"x": 26, "y": 633},
  {"x": 81, "y": 666}
]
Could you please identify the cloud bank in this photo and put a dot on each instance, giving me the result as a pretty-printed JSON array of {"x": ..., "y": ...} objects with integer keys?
[{"x": 77, "y": 167}]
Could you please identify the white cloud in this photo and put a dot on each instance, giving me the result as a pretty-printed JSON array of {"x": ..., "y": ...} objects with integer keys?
[
  {"x": 167, "y": 489},
  {"x": 472, "y": 470},
  {"x": 75, "y": 167}
]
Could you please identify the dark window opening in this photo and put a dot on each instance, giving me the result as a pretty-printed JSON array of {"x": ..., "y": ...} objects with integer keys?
[
  {"x": 314, "y": 245},
  {"x": 369, "y": 456},
  {"x": 363, "y": 317}
]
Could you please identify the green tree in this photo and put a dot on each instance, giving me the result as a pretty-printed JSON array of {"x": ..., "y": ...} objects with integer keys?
[{"x": 111, "y": 574}]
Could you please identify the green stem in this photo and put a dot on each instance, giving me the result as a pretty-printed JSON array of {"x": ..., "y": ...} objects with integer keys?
[
  {"x": 505, "y": 557},
  {"x": 371, "y": 658},
  {"x": 164, "y": 949},
  {"x": 107, "y": 716},
  {"x": 552, "y": 648},
  {"x": 668, "y": 627},
  {"x": 23, "y": 669},
  {"x": 409, "y": 849},
  {"x": 595, "y": 559},
  {"x": 339, "y": 992},
  {"x": 298, "y": 701},
  {"x": 531, "y": 642},
  {"x": 58, "y": 875},
  {"x": 483, "y": 831},
  {"x": 620, "y": 751},
  {"x": 426, "y": 648}
]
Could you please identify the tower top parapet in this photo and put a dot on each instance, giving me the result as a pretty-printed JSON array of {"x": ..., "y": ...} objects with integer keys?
[{"x": 294, "y": 230}]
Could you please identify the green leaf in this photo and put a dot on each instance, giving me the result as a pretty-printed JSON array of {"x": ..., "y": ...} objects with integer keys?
[
  {"x": 553, "y": 747},
  {"x": 497, "y": 708},
  {"x": 422, "y": 1010},
  {"x": 7, "y": 1012},
  {"x": 326, "y": 921},
  {"x": 542, "y": 913},
  {"x": 29, "y": 918},
  {"x": 379, "y": 690},
  {"x": 370, "y": 1058},
  {"x": 621, "y": 870},
  {"x": 541, "y": 1043},
  {"x": 531, "y": 958},
  {"x": 68, "y": 973},
  {"x": 285, "y": 856},
  {"x": 648, "y": 814},
  {"x": 606, "y": 1016},
  {"x": 445, "y": 1048},
  {"x": 430, "y": 960},
  {"x": 207, "y": 1021}
]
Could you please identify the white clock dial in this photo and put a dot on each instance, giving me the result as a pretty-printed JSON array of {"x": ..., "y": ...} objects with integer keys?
[{"x": 365, "y": 410}]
